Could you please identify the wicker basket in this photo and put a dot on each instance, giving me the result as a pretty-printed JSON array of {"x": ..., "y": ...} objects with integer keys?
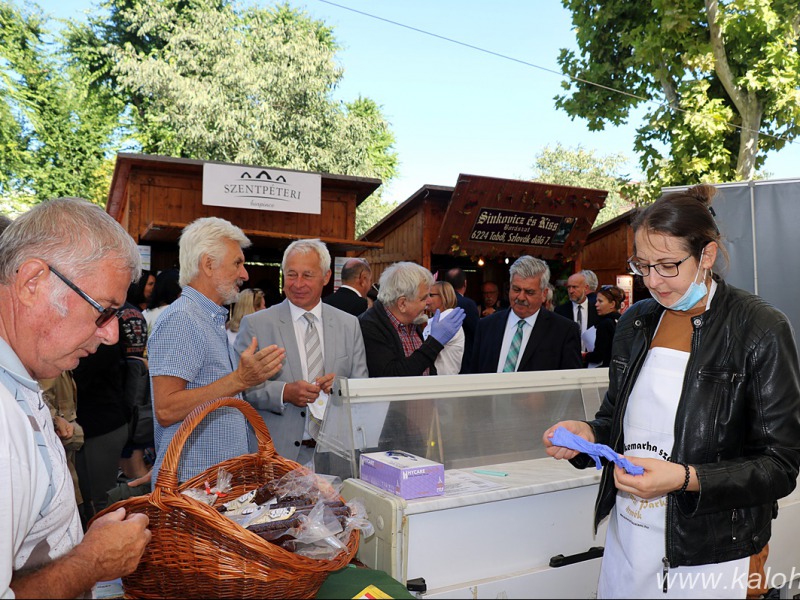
[{"x": 196, "y": 552}]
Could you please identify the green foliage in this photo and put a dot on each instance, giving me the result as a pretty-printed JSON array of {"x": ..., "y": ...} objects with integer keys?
[
  {"x": 212, "y": 81},
  {"x": 54, "y": 133},
  {"x": 720, "y": 71},
  {"x": 582, "y": 168},
  {"x": 189, "y": 78}
]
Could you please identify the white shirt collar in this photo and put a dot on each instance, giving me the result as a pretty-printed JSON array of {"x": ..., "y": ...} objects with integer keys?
[
  {"x": 11, "y": 363},
  {"x": 513, "y": 319},
  {"x": 350, "y": 287},
  {"x": 297, "y": 312}
]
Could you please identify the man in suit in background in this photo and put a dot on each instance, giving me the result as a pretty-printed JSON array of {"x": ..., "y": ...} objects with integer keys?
[
  {"x": 458, "y": 279},
  {"x": 491, "y": 299},
  {"x": 526, "y": 337},
  {"x": 591, "y": 285},
  {"x": 578, "y": 308},
  {"x": 292, "y": 402},
  {"x": 351, "y": 297}
]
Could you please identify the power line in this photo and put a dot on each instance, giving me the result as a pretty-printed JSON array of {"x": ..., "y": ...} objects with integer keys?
[{"x": 552, "y": 71}]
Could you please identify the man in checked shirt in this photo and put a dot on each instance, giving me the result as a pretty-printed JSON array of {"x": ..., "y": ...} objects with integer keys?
[{"x": 188, "y": 349}]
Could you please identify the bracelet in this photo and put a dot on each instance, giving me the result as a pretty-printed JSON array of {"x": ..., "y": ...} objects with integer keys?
[{"x": 685, "y": 481}]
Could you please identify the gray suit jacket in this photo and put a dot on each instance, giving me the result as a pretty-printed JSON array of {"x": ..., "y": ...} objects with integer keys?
[{"x": 343, "y": 354}]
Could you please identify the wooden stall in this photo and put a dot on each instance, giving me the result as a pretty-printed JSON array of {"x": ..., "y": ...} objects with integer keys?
[
  {"x": 608, "y": 248},
  {"x": 155, "y": 197},
  {"x": 483, "y": 223},
  {"x": 406, "y": 232}
]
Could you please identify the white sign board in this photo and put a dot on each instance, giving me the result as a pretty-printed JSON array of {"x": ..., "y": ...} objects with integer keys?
[
  {"x": 144, "y": 252},
  {"x": 625, "y": 283},
  {"x": 261, "y": 189},
  {"x": 338, "y": 264}
]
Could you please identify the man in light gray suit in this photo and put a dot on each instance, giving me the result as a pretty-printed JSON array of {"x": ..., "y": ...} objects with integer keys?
[{"x": 321, "y": 342}]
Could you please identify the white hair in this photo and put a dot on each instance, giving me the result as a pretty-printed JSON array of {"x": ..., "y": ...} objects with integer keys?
[
  {"x": 71, "y": 234},
  {"x": 305, "y": 247},
  {"x": 529, "y": 266},
  {"x": 206, "y": 236},
  {"x": 402, "y": 279},
  {"x": 591, "y": 279}
]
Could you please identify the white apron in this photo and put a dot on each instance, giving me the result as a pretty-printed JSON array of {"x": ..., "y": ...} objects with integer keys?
[{"x": 632, "y": 564}]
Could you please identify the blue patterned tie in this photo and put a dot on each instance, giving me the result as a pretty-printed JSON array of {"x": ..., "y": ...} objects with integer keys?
[{"x": 513, "y": 350}]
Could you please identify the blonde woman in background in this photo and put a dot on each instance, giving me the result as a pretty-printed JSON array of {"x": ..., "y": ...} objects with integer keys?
[
  {"x": 248, "y": 302},
  {"x": 443, "y": 298}
]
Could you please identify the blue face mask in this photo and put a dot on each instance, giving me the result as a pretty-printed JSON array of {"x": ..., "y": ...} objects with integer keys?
[{"x": 693, "y": 294}]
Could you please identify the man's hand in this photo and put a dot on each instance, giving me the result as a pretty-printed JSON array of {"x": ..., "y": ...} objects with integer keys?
[
  {"x": 256, "y": 366},
  {"x": 146, "y": 478},
  {"x": 301, "y": 393},
  {"x": 111, "y": 548},
  {"x": 64, "y": 428},
  {"x": 114, "y": 544},
  {"x": 326, "y": 382}
]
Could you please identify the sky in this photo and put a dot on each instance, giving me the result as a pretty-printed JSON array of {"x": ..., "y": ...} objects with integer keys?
[{"x": 455, "y": 109}]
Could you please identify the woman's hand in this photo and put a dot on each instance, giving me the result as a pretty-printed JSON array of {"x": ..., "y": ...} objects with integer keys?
[
  {"x": 660, "y": 478},
  {"x": 559, "y": 452}
]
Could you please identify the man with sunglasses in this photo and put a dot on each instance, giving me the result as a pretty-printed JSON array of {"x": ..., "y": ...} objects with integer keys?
[{"x": 65, "y": 268}]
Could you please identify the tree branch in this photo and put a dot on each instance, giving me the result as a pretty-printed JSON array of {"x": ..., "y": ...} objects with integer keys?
[
  {"x": 723, "y": 68},
  {"x": 670, "y": 91},
  {"x": 746, "y": 101}
]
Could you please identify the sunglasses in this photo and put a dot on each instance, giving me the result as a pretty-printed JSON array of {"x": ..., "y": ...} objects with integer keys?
[{"x": 106, "y": 314}]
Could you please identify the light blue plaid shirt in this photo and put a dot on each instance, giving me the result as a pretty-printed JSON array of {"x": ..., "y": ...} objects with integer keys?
[{"x": 189, "y": 341}]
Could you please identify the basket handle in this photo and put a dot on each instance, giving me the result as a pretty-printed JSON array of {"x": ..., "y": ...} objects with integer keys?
[{"x": 167, "y": 480}]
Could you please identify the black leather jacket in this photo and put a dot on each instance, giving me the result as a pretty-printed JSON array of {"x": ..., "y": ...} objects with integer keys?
[{"x": 737, "y": 423}]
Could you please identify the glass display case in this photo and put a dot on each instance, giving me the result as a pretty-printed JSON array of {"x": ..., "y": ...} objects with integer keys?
[
  {"x": 507, "y": 509},
  {"x": 512, "y": 522},
  {"x": 461, "y": 421}
]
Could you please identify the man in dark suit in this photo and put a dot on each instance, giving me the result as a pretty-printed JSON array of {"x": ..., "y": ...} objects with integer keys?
[
  {"x": 492, "y": 302},
  {"x": 591, "y": 285},
  {"x": 579, "y": 308},
  {"x": 458, "y": 279},
  {"x": 351, "y": 297},
  {"x": 526, "y": 337}
]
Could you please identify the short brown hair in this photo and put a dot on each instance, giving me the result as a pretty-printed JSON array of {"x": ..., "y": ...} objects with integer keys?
[
  {"x": 613, "y": 294},
  {"x": 685, "y": 215}
]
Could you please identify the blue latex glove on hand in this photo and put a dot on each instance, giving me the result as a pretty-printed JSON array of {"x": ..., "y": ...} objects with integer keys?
[
  {"x": 443, "y": 330},
  {"x": 567, "y": 439}
]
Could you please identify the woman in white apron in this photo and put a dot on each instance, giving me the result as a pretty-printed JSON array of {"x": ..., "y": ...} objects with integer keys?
[{"x": 704, "y": 393}]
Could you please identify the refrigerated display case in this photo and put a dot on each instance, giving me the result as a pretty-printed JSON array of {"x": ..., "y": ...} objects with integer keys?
[
  {"x": 509, "y": 512},
  {"x": 513, "y": 522}
]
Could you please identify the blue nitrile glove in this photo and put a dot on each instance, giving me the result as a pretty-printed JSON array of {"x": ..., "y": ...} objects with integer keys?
[
  {"x": 567, "y": 439},
  {"x": 443, "y": 330}
]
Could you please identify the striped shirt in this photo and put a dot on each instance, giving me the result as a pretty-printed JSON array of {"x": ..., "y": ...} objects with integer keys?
[
  {"x": 189, "y": 341},
  {"x": 38, "y": 514}
]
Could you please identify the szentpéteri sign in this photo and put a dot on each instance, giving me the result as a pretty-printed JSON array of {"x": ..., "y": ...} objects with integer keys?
[{"x": 261, "y": 188}]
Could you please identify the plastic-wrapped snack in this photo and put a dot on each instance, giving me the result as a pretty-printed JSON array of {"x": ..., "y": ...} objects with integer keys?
[
  {"x": 223, "y": 486},
  {"x": 200, "y": 495},
  {"x": 301, "y": 483},
  {"x": 238, "y": 504}
]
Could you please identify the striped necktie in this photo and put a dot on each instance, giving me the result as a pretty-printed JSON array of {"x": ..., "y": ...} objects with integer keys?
[
  {"x": 513, "y": 350},
  {"x": 314, "y": 365}
]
